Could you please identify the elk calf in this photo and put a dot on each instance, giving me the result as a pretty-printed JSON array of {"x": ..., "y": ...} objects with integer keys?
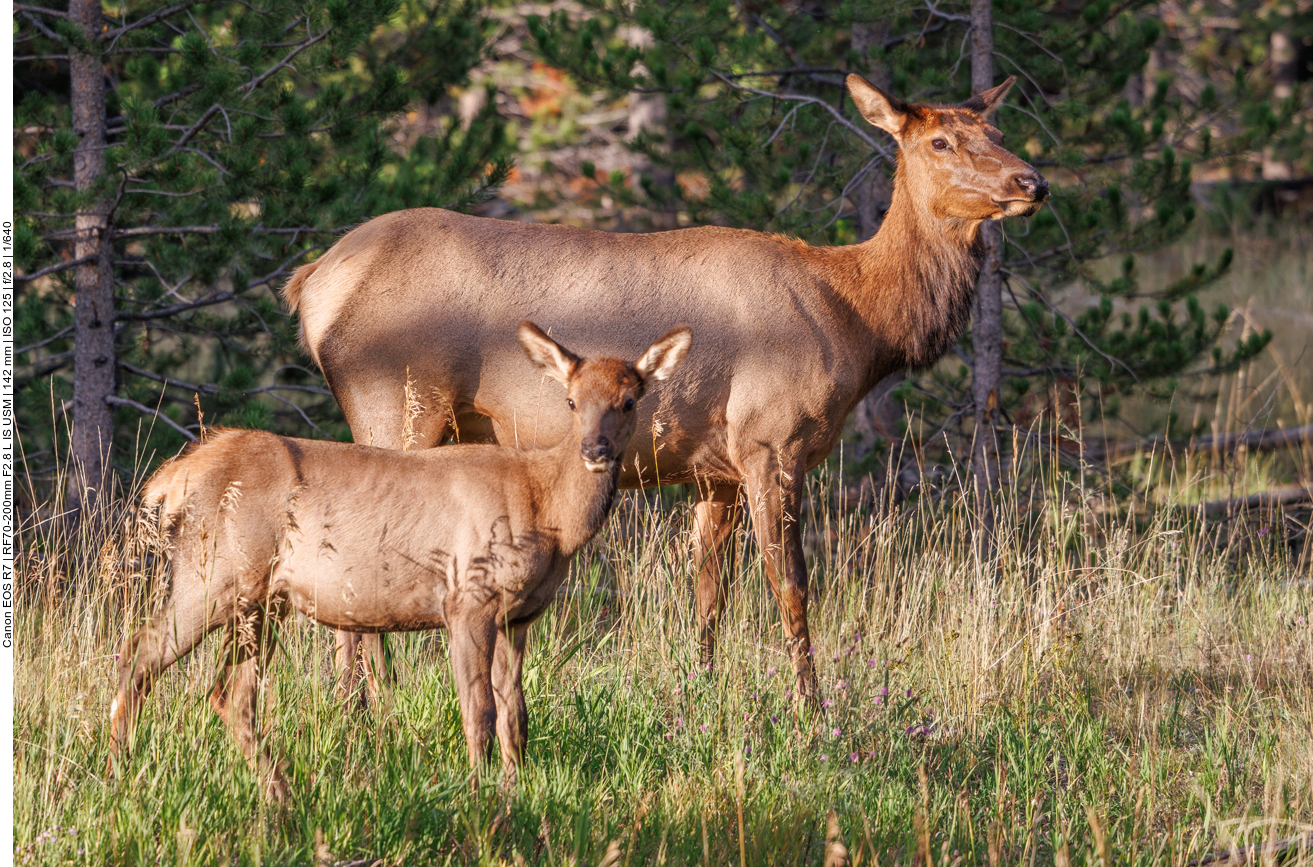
[{"x": 475, "y": 539}]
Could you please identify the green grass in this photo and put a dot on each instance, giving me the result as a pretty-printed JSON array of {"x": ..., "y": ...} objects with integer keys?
[{"x": 1122, "y": 691}]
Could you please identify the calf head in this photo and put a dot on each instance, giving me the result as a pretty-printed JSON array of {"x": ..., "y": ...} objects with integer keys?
[
  {"x": 952, "y": 157},
  {"x": 602, "y": 392}
]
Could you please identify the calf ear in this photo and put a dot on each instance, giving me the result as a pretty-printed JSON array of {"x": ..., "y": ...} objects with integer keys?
[
  {"x": 665, "y": 355},
  {"x": 985, "y": 102},
  {"x": 889, "y": 113},
  {"x": 546, "y": 354}
]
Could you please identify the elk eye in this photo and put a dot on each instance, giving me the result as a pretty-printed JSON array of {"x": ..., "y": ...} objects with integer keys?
[
  {"x": 570, "y": 403},
  {"x": 939, "y": 144},
  {"x": 629, "y": 405}
]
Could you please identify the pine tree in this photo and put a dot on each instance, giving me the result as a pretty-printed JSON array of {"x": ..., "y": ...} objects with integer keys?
[
  {"x": 759, "y": 134},
  {"x": 174, "y": 163}
]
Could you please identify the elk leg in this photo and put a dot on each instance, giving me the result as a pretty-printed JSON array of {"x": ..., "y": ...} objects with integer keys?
[
  {"x": 365, "y": 656},
  {"x": 362, "y": 657},
  {"x": 775, "y": 497},
  {"x": 473, "y": 637},
  {"x": 236, "y": 694},
  {"x": 171, "y": 635},
  {"x": 714, "y": 516},
  {"x": 508, "y": 692}
]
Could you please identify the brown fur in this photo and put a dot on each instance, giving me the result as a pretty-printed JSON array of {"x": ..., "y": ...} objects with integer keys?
[
  {"x": 474, "y": 539},
  {"x": 791, "y": 336}
]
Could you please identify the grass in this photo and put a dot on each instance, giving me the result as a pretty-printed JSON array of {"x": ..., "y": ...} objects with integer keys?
[{"x": 1115, "y": 689}]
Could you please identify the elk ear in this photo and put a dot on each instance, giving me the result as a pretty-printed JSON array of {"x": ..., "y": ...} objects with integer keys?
[
  {"x": 546, "y": 354},
  {"x": 665, "y": 355},
  {"x": 889, "y": 113},
  {"x": 984, "y": 103}
]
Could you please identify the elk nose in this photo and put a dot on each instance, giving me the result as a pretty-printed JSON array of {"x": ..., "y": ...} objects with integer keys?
[
  {"x": 599, "y": 449},
  {"x": 1034, "y": 186}
]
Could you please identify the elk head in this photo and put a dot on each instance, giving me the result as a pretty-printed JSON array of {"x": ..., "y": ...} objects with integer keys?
[
  {"x": 602, "y": 392},
  {"x": 952, "y": 158}
]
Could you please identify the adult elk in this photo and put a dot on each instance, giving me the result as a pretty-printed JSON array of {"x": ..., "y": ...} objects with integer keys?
[
  {"x": 792, "y": 336},
  {"x": 474, "y": 538}
]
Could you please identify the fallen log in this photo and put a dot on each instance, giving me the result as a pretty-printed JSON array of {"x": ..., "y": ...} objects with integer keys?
[
  {"x": 1273, "y": 852},
  {"x": 1261, "y": 440},
  {"x": 1287, "y": 496}
]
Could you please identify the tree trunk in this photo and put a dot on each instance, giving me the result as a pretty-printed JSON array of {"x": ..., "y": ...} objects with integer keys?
[
  {"x": 987, "y": 325},
  {"x": 647, "y": 116},
  {"x": 1283, "y": 59},
  {"x": 93, "y": 318}
]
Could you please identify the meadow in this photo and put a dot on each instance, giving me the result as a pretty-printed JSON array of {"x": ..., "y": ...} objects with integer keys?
[{"x": 1118, "y": 686}]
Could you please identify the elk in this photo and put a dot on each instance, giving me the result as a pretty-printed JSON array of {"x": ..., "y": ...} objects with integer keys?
[
  {"x": 475, "y": 539},
  {"x": 794, "y": 336}
]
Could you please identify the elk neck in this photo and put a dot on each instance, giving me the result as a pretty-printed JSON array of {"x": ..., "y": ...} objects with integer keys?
[
  {"x": 913, "y": 283},
  {"x": 572, "y": 501}
]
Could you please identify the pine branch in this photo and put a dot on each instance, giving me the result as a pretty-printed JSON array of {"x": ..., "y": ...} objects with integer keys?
[
  {"x": 42, "y": 10},
  {"x": 177, "y": 308},
  {"x": 282, "y": 64},
  {"x": 37, "y": 275},
  {"x": 64, "y": 332},
  {"x": 146, "y": 21},
  {"x": 115, "y": 400},
  {"x": 43, "y": 368}
]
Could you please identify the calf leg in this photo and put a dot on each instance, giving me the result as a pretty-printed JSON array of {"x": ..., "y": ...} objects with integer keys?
[
  {"x": 473, "y": 637},
  {"x": 236, "y": 695},
  {"x": 775, "y": 494},
  {"x": 175, "y": 632},
  {"x": 714, "y": 516},
  {"x": 508, "y": 692}
]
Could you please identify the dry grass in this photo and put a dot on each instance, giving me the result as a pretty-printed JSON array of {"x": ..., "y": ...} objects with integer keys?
[{"x": 1118, "y": 688}]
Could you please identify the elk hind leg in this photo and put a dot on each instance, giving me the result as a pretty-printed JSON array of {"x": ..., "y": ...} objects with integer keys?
[
  {"x": 236, "y": 695},
  {"x": 169, "y": 636},
  {"x": 365, "y": 657}
]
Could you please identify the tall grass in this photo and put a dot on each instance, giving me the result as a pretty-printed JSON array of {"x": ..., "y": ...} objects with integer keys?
[{"x": 1126, "y": 688}]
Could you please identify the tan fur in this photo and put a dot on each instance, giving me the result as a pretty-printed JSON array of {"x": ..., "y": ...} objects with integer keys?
[
  {"x": 791, "y": 336},
  {"x": 475, "y": 539}
]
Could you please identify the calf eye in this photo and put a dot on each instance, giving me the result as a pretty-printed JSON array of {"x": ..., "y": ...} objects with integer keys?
[
  {"x": 570, "y": 403},
  {"x": 629, "y": 404},
  {"x": 939, "y": 144}
]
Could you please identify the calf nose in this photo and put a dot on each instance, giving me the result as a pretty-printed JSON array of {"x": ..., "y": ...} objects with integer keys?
[
  {"x": 599, "y": 449},
  {"x": 1034, "y": 186}
]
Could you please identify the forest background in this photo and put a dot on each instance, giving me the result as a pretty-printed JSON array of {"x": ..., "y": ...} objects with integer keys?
[
  {"x": 1173, "y": 134},
  {"x": 1062, "y": 692}
]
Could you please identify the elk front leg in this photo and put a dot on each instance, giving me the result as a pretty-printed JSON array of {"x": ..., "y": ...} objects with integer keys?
[
  {"x": 362, "y": 657},
  {"x": 473, "y": 637},
  {"x": 236, "y": 695},
  {"x": 508, "y": 691},
  {"x": 714, "y": 516},
  {"x": 775, "y": 495}
]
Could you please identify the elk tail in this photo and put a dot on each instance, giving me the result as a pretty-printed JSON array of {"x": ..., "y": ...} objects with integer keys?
[
  {"x": 292, "y": 288},
  {"x": 168, "y": 486}
]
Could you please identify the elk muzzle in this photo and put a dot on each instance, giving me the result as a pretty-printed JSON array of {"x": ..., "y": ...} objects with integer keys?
[
  {"x": 1033, "y": 191},
  {"x": 598, "y": 454}
]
